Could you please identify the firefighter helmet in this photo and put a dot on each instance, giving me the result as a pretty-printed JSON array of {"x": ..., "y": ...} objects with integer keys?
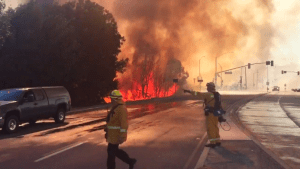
[
  {"x": 211, "y": 87},
  {"x": 210, "y": 84},
  {"x": 116, "y": 94}
]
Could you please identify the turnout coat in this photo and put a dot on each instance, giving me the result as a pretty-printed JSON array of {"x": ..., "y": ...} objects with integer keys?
[{"x": 117, "y": 124}]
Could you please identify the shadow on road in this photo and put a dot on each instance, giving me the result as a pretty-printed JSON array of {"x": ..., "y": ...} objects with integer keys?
[
  {"x": 29, "y": 129},
  {"x": 71, "y": 127}
]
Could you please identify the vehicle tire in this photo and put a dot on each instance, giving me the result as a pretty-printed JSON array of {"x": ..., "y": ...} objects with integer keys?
[
  {"x": 60, "y": 115},
  {"x": 11, "y": 124},
  {"x": 32, "y": 122}
]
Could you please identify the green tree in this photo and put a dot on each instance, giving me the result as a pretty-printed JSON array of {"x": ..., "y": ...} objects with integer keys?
[
  {"x": 5, "y": 31},
  {"x": 74, "y": 45}
]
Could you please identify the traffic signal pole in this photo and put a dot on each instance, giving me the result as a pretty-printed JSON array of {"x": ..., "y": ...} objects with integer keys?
[
  {"x": 267, "y": 78},
  {"x": 249, "y": 65}
]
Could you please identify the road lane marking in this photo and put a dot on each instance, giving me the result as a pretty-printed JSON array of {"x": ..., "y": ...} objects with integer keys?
[
  {"x": 202, "y": 158},
  {"x": 58, "y": 152},
  {"x": 102, "y": 143},
  {"x": 194, "y": 152}
]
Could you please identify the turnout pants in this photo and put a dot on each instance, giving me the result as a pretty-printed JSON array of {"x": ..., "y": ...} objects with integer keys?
[
  {"x": 113, "y": 151},
  {"x": 212, "y": 128}
]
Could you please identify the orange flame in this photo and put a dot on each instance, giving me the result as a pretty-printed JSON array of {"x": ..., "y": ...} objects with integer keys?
[
  {"x": 151, "y": 91},
  {"x": 107, "y": 99}
]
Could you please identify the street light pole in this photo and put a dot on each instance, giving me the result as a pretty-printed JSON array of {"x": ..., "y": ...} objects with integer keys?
[
  {"x": 199, "y": 65},
  {"x": 253, "y": 80},
  {"x": 257, "y": 80},
  {"x": 246, "y": 78},
  {"x": 216, "y": 64},
  {"x": 199, "y": 72}
]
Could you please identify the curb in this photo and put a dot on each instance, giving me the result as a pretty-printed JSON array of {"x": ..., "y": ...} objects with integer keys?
[
  {"x": 255, "y": 138},
  {"x": 105, "y": 106}
]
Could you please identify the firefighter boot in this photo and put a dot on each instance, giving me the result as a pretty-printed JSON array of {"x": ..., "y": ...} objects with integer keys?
[{"x": 132, "y": 162}]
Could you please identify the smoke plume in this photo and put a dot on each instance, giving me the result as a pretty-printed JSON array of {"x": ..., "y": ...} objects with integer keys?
[{"x": 159, "y": 31}]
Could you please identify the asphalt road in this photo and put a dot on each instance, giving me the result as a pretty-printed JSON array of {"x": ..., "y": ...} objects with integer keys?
[
  {"x": 274, "y": 120},
  {"x": 162, "y": 134}
]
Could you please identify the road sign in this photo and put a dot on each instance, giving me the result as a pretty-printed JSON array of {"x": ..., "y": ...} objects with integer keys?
[{"x": 228, "y": 72}]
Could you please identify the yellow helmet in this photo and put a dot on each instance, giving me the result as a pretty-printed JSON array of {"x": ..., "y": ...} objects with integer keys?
[
  {"x": 210, "y": 84},
  {"x": 116, "y": 94}
]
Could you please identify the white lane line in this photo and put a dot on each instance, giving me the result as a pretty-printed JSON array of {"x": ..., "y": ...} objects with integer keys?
[
  {"x": 194, "y": 152},
  {"x": 53, "y": 154},
  {"x": 202, "y": 158}
]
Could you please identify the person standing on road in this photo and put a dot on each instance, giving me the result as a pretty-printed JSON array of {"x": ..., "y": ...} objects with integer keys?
[
  {"x": 116, "y": 131},
  {"x": 212, "y": 101}
]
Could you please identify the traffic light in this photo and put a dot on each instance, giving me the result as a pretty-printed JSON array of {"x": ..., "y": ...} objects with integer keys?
[
  {"x": 272, "y": 63},
  {"x": 298, "y": 73},
  {"x": 249, "y": 65},
  {"x": 267, "y": 62}
]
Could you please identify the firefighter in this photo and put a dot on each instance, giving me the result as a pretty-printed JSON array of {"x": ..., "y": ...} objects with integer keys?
[
  {"x": 211, "y": 120},
  {"x": 116, "y": 131}
]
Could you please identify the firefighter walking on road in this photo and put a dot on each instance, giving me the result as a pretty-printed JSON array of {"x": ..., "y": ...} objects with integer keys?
[
  {"x": 116, "y": 131},
  {"x": 212, "y": 102}
]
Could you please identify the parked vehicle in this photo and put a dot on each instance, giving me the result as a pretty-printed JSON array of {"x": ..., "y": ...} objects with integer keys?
[
  {"x": 276, "y": 88},
  {"x": 21, "y": 105},
  {"x": 296, "y": 90}
]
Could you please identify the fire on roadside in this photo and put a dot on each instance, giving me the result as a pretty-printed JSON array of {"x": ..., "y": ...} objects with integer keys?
[{"x": 150, "y": 91}]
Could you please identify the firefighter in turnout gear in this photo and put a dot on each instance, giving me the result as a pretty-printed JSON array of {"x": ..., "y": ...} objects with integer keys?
[
  {"x": 116, "y": 131},
  {"x": 211, "y": 101}
]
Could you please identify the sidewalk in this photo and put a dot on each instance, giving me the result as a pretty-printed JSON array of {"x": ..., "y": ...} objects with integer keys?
[{"x": 238, "y": 151}]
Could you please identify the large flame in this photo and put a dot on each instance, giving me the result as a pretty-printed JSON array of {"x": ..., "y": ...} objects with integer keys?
[{"x": 136, "y": 92}]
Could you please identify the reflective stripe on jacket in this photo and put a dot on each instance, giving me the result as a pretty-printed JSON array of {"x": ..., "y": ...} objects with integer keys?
[{"x": 116, "y": 127}]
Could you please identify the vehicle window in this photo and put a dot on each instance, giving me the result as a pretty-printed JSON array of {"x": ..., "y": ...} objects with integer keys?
[
  {"x": 38, "y": 95},
  {"x": 27, "y": 94},
  {"x": 10, "y": 95}
]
